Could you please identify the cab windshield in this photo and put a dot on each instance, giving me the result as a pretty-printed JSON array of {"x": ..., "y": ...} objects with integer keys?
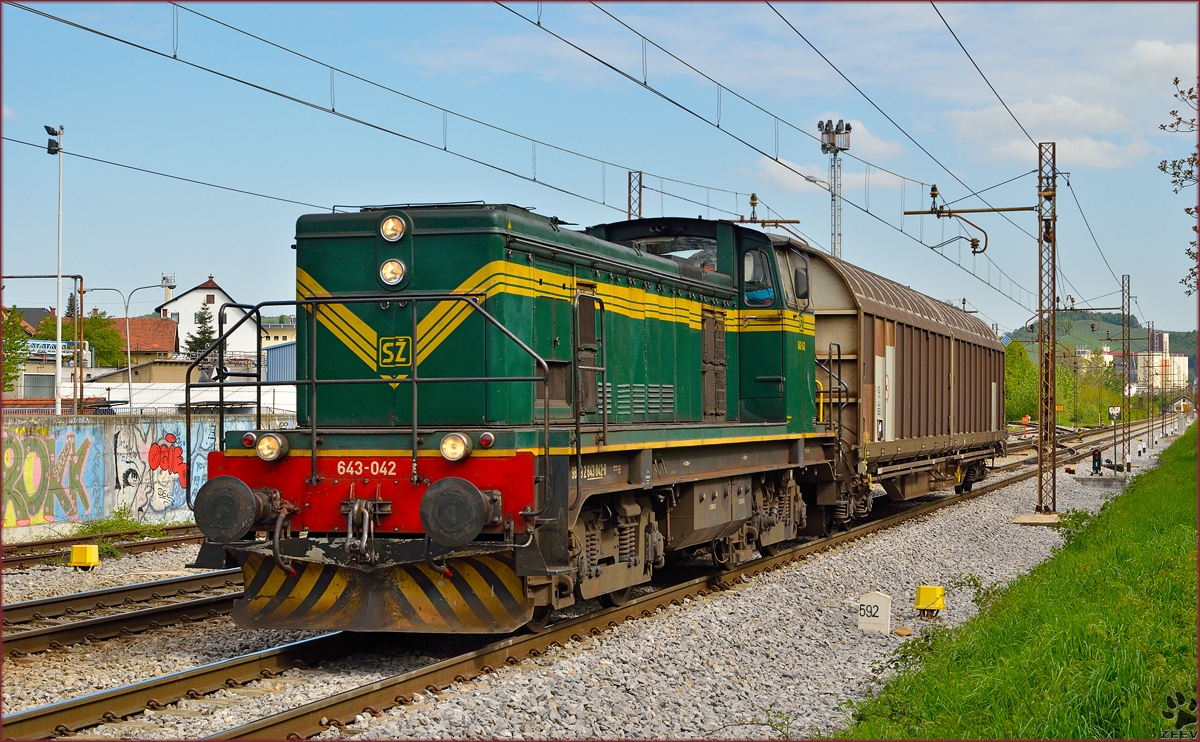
[{"x": 757, "y": 288}]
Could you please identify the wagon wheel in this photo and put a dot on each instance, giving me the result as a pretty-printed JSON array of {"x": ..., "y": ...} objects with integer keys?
[
  {"x": 768, "y": 550},
  {"x": 616, "y": 597},
  {"x": 541, "y": 617}
]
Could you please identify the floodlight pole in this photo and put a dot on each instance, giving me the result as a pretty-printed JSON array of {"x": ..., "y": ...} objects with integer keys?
[{"x": 58, "y": 305}]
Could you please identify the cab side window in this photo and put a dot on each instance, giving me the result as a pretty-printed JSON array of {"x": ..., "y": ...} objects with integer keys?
[
  {"x": 785, "y": 272},
  {"x": 757, "y": 288}
]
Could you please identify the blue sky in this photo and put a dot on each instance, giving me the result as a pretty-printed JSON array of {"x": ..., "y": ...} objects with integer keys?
[{"x": 1095, "y": 78}]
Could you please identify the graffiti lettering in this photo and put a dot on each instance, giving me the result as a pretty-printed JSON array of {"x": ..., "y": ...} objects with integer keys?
[
  {"x": 48, "y": 477},
  {"x": 168, "y": 456}
]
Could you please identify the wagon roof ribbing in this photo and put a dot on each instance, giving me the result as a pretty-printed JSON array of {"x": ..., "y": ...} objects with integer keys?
[{"x": 883, "y": 297}]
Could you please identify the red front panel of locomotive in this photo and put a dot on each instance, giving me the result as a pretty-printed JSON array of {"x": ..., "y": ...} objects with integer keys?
[{"x": 389, "y": 476}]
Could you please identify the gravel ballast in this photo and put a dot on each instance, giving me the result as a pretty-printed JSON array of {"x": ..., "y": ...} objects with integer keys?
[
  {"x": 785, "y": 641},
  {"x": 44, "y": 581}
]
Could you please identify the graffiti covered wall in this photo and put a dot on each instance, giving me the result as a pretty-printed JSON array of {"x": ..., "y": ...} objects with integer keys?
[{"x": 67, "y": 470}]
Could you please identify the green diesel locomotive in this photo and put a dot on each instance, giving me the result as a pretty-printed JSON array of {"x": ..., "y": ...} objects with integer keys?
[{"x": 498, "y": 416}]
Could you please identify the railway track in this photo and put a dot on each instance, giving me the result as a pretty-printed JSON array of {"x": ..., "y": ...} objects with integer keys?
[
  {"x": 22, "y": 555},
  {"x": 1090, "y": 436},
  {"x": 50, "y": 623},
  {"x": 70, "y": 716}
]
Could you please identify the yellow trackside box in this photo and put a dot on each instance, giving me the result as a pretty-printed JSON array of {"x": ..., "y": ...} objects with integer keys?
[
  {"x": 86, "y": 555},
  {"x": 930, "y": 598}
]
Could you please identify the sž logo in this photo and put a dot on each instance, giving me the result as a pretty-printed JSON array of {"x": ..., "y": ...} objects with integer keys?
[{"x": 394, "y": 351}]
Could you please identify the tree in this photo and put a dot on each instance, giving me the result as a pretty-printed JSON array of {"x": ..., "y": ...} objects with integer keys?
[
  {"x": 204, "y": 335},
  {"x": 1020, "y": 383},
  {"x": 70, "y": 311},
  {"x": 1182, "y": 172},
  {"x": 15, "y": 348},
  {"x": 99, "y": 331}
]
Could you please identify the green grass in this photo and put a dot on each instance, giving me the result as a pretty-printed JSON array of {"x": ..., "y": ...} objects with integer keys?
[
  {"x": 119, "y": 520},
  {"x": 1087, "y": 645}
]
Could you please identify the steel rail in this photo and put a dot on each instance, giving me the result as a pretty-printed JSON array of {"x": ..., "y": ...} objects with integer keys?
[
  {"x": 72, "y": 715},
  {"x": 20, "y": 561},
  {"x": 29, "y": 547},
  {"x": 112, "y": 597},
  {"x": 305, "y": 720},
  {"x": 1102, "y": 435},
  {"x": 66, "y": 717},
  {"x": 20, "y": 643}
]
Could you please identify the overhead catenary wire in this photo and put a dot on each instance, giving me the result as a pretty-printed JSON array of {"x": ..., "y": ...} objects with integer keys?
[
  {"x": 985, "y": 79},
  {"x": 1090, "y": 232},
  {"x": 360, "y": 121},
  {"x": 780, "y": 162},
  {"x": 174, "y": 177},
  {"x": 1027, "y": 136},
  {"x": 449, "y": 112},
  {"x": 722, "y": 87},
  {"x": 883, "y": 113},
  {"x": 985, "y": 190}
]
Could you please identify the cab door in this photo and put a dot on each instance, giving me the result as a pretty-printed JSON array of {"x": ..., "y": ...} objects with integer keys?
[
  {"x": 799, "y": 330},
  {"x": 760, "y": 336}
]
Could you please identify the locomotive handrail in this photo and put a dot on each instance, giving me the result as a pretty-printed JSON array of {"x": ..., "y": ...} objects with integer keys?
[
  {"x": 843, "y": 393},
  {"x": 313, "y": 382},
  {"x": 602, "y": 370}
]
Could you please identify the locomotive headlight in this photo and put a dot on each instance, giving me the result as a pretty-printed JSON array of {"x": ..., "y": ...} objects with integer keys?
[
  {"x": 392, "y": 228},
  {"x": 391, "y": 272},
  {"x": 455, "y": 446},
  {"x": 271, "y": 447}
]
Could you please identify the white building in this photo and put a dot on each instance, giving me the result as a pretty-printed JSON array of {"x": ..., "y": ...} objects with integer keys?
[{"x": 185, "y": 310}]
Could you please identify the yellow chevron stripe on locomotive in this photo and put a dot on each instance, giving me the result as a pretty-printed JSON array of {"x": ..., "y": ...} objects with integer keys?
[
  {"x": 477, "y": 593},
  {"x": 503, "y": 277}
]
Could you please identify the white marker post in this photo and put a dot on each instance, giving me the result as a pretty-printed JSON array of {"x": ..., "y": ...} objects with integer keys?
[{"x": 875, "y": 613}]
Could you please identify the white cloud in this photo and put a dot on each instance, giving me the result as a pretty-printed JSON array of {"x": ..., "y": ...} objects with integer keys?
[
  {"x": 8, "y": 112},
  {"x": 1072, "y": 152},
  {"x": 1158, "y": 58},
  {"x": 1087, "y": 134}
]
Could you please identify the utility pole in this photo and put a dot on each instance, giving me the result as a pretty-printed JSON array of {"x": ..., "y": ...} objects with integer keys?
[
  {"x": 835, "y": 139},
  {"x": 635, "y": 195},
  {"x": 1047, "y": 329},
  {"x": 55, "y": 148},
  {"x": 1126, "y": 376},
  {"x": 1149, "y": 380}
]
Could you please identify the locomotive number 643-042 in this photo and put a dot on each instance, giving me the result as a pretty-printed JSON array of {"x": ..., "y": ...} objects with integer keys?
[{"x": 357, "y": 468}]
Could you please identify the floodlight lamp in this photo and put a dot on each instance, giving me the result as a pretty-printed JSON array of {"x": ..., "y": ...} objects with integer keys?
[{"x": 52, "y": 131}]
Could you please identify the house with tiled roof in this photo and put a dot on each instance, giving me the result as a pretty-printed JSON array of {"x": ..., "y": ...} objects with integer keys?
[
  {"x": 184, "y": 310},
  {"x": 29, "y": 328},
  {"x": 151, "y": 337}
]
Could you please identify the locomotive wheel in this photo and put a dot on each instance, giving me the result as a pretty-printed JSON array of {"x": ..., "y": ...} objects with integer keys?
[
  {"x": 768, "y": 550},
  {"x": 958, "y": 489},
  {"x": 541, "y": 617},
  {"x": 616, "y": 597}
]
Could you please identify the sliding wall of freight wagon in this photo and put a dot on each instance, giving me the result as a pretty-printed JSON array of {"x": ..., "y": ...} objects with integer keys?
[{"x": 924, "y": 378}]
